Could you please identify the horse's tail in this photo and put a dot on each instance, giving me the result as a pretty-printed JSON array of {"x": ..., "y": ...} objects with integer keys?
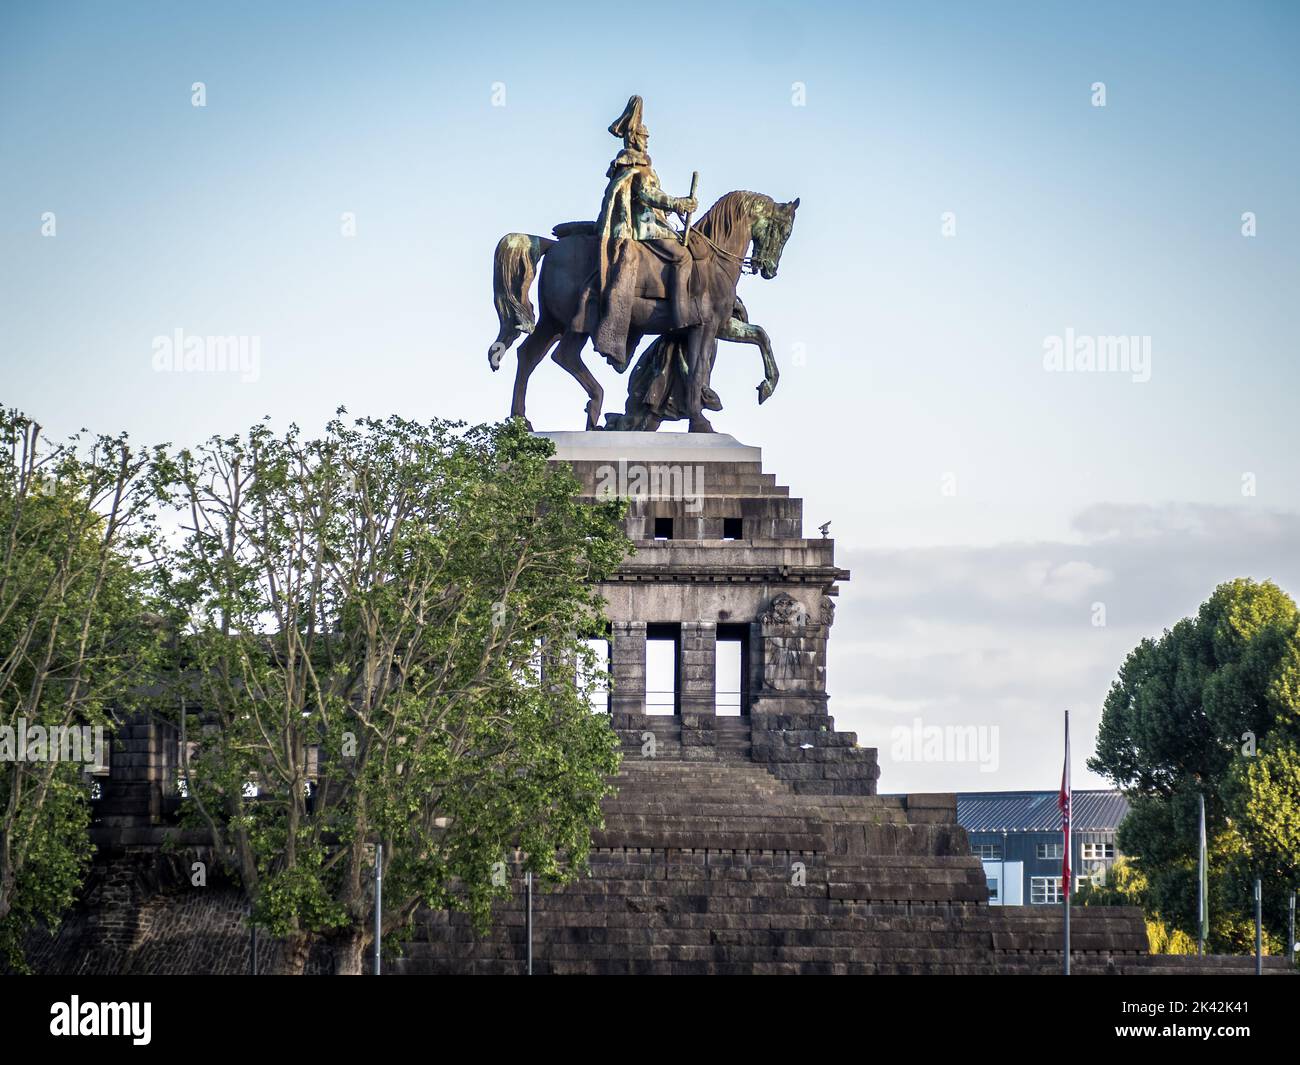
[{"x": 513, "y": 268}]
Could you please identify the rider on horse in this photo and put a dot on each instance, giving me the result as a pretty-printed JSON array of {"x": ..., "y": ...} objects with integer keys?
[{"x": 633, "y": 210}]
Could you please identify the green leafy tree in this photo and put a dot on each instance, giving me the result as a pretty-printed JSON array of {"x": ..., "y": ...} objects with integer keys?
[
  {"x": 386, "y": 643},
  {"x": 1125, "y": 885},
  {"x": 1212, "y": 708},
  {"x": 78, "y": 547}
]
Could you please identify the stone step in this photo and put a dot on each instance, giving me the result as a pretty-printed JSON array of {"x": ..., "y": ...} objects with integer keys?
[
  {"x": 721, "y": 806},
  {"x": 722, "y": 837}
]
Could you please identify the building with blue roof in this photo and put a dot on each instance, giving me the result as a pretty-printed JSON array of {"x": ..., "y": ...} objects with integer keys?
[{"x": 1017, "y": 835}]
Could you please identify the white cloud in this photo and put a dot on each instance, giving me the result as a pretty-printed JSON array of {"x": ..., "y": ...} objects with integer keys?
[{"x": 1004, "y": 636}]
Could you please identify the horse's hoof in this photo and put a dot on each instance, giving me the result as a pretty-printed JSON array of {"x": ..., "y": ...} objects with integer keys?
[
  {"x": 764, "y": 392},
  {"x": 701, "y": 425}
]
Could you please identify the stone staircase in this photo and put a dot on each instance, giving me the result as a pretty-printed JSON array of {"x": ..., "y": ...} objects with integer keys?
[
  {"x": 722, "y": 868},
  {"x": 700, "y": 868}
]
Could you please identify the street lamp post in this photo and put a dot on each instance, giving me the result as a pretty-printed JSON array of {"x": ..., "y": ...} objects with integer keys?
[
  {"x": 379, "y": 902},
  {"x": 528, "y": 917},
  {"x": 1290, "y": 935},
  {"x": 1259, "y": 927}
]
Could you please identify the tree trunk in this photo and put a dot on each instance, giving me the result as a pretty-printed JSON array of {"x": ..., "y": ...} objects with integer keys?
[
  {"x": 349, "y": 953},
  {"x": 7, "y": 884},
  {"x": 291, "y": 958}
]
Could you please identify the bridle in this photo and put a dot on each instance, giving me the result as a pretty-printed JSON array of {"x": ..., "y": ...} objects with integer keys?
[{"x": 746, "y": 262}]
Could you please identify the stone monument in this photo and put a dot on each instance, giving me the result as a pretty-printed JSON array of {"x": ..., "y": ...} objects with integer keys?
[{"x": 750, "y": 840}]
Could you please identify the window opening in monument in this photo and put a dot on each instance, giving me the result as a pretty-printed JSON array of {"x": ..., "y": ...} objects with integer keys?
[
  {"x": 732, "y": 528},
  {"x": 731, "y": 671},
  {"x": 662, "y": 673},
  {"x": 663, "y": 528},
  {"x": 596, "y": 673}
]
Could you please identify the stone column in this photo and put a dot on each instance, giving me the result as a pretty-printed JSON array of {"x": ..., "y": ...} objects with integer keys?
[
  {"x": 627, "y": 667},
  {"x": 699, "y": 667},
  {"x": 698, "y": 670},
  {"x": 141, "y": 780}
]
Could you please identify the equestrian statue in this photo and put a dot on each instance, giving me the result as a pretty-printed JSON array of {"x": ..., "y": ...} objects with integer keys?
[{"x": 629, "y": 275}]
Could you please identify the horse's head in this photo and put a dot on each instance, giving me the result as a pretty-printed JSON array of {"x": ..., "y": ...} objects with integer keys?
[{"x": 771, "y": 230}]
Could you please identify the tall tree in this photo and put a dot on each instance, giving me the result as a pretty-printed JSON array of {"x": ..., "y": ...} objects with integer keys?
[
  {"x": 1212, "y": 708},
  {"x": 78, "y": 549},
  {"x": 386, "y": 635}
]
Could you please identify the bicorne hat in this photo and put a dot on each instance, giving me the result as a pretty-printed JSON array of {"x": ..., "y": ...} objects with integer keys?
[{"x": 629, "y": 120}]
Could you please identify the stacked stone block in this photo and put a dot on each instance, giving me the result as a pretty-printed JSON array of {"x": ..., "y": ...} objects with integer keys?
[{"x": 141, "y": 762}]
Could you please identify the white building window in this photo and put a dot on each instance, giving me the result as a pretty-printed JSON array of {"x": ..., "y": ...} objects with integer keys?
[
  {"x": 1044, "y": 890},
  {"x": 1098, "y": 852},
  {"x": 1047, "y": 851},
  {"x": 990, "y": 852}
]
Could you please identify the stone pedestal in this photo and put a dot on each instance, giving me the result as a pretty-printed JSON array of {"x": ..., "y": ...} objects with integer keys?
[{"x": 720, "y": 543}]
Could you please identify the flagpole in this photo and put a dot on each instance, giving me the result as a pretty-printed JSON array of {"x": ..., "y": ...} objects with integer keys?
[
  {"x": 1066, "y": 800},
  {"x": 1067, "y": 933},
  {"x": 1200, "y": 889}
]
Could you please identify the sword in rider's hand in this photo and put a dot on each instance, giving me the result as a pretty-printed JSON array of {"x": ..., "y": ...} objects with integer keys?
[{"x": 686, "y": 233}]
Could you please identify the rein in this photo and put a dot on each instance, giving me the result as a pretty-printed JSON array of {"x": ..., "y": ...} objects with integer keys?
[{"x": 746, "y": 261}]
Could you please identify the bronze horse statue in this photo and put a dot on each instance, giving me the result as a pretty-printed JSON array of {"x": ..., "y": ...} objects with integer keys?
[{"x": 720, "y": 240}]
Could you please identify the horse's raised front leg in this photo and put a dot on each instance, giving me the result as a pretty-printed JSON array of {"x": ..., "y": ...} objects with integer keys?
[
  {"x": 746, "y": 333},
  {"x": 569, "y": 355},
  {"x": 531, "y": 352}
]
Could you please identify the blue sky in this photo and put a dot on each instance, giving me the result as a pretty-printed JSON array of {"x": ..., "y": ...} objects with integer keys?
[{"x": 910, "y": 360}]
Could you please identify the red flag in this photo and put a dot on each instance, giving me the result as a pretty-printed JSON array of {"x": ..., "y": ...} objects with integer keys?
[{"x": 1063, "y": 801}]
